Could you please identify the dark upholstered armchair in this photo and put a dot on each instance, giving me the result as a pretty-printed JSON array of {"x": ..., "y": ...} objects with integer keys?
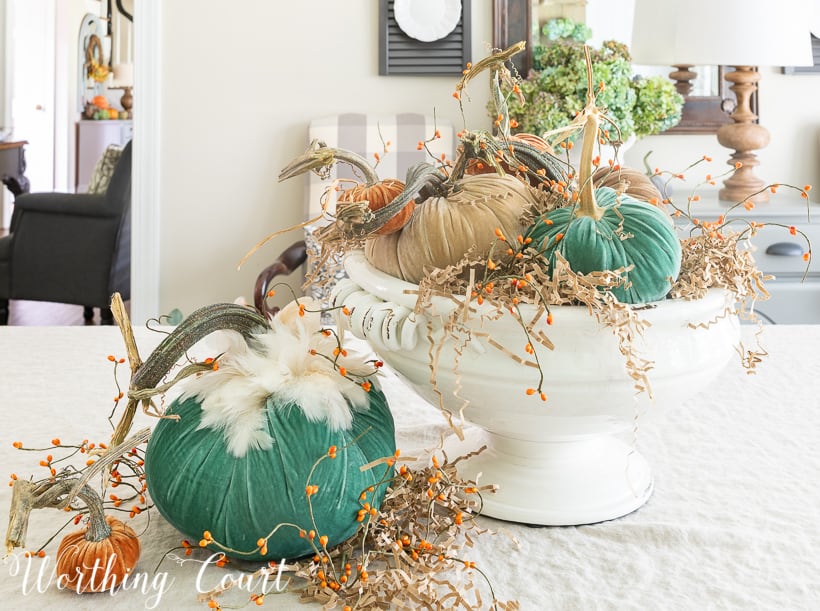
[{"x": 70, "y": 248}]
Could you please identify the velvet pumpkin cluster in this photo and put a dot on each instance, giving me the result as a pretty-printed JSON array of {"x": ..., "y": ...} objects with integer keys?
[{"x": 598, "y": 220}]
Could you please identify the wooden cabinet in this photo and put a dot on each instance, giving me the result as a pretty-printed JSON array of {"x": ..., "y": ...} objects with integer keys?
[
  {"x": 13, "y": 167},
  {"x": 92, "y": 139},
  {"x": 795, "y": 289}
]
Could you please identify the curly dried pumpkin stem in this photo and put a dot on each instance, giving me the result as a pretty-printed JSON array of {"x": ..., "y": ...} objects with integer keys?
[
  {"x": 356, "y": 220},
  {"x": 57, "y": 494},
  {"x": 320, "y": 158},
  {"x": 98, "y": 528},
  {"x": 496, "y": 63},
  {"x": 203, "y": 322}
]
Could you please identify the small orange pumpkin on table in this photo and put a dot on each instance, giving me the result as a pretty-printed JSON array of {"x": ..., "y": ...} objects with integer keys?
[
  {"x": 99, "y": 556},
  {"x": 93, "y": 559}
]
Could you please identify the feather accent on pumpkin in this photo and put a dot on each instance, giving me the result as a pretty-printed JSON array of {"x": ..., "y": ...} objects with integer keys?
[{"x": 277, "y": 363}]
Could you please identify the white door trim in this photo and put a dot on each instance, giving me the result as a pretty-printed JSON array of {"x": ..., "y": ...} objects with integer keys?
[{"x": 147, "y": 160}]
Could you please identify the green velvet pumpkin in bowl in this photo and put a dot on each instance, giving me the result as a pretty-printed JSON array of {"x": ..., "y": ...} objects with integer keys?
[
  {"x": 608, "y": 231},
  {"x": 272, "y": 444}
]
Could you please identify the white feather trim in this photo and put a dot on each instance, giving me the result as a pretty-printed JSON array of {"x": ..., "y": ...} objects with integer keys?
[{"x": 278, "y": 363}]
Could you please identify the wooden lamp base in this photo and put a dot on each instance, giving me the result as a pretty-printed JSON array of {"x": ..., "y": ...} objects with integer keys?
[
  {"x": 743, "y": 136},
  {"x": 127, "y": 99}
]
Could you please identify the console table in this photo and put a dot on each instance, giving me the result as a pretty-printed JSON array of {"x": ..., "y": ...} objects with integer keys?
[
  {"x": 795, "y": 289},
  {"x": 13, "y": 166}
]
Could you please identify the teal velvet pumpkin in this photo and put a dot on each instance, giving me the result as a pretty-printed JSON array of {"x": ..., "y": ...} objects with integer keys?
[
  {"x": 198, "y": 485},
  {"x": 629, "y": 232}
]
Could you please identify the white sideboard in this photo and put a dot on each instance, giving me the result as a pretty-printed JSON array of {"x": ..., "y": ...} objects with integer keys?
[
  {"x": 92, "y": 139},
  {"x": 795, "y": 293}
]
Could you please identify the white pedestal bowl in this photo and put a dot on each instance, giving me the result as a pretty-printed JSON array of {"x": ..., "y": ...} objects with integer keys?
[{"x": 571, "y": 459}]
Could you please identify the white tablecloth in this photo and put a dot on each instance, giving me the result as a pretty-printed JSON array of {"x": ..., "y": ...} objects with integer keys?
[{"x": 734, "y": 522}]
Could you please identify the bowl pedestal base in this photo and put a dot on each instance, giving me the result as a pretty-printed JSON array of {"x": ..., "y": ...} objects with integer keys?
[{"x": 567, "y": 481}]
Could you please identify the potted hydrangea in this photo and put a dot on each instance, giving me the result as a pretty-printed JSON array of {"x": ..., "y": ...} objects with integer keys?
[{"x": 555, "y": 90}]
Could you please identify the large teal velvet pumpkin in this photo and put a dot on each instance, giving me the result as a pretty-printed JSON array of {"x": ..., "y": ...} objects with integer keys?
[
  {"x": 630, "y": 232},
  {"x": 198, "y": 485}
]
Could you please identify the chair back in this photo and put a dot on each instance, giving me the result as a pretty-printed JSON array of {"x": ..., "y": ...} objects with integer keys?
[
  {"x": 368, "y": 135},
  {"x": 395, "y": 139},
  {"x": 118, "y": 195}
]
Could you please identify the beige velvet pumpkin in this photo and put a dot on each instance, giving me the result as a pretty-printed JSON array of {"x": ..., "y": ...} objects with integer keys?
[
  {"x": 442, "y": 229},
  {"x": 630, "y": 181}
]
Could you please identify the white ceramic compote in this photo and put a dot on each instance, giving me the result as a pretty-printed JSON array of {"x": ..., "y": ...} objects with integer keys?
[
  {"x": 557, "y": 404},
  {"x": 562, "y": 461}
]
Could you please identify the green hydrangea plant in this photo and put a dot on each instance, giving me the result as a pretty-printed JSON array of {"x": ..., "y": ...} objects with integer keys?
[{"x": 556, "y": 88}]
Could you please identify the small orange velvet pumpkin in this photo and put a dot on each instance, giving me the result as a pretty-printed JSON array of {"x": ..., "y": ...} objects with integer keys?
[
  {"x": 378, "y": 195},
  {"x": 105, "y": 541}
]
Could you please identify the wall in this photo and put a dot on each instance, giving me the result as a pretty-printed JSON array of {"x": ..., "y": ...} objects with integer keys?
[
  {"x": 3, "y": 42},
  {"x": 238, "y": 90}
]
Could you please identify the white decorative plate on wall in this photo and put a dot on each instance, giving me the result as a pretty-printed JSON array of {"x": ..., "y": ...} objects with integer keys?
[{"x": 427, "y": 20}]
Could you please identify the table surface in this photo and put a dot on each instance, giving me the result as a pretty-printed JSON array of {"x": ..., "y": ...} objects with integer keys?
[{"x": 734, "y": 522}]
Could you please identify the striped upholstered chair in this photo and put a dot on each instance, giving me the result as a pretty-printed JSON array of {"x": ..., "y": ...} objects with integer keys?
[{"x": 367, "y": 135}]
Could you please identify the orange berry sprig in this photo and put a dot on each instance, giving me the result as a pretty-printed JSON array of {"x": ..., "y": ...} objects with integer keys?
[
  {"x": 120, "y": 394},
  {"x": 303, "y": 309},
  {"x": 753, "y": 226},
  {"x": 56, "y": 444},
  {"x": 773, "y": 188},
  {"x": 441, "y": 161},
  {"x": 339, "y": 352},
  {"x": 505, "y": 283},
  {"x": 681, "y": 175}
]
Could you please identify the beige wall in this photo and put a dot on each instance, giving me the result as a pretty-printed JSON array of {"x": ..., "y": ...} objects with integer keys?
[
  {"x": 239, "y": 87},
  {"x": 238, "y": 90}
]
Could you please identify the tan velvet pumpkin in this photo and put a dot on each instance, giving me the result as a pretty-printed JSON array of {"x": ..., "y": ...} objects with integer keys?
[
  {"x": 630, "y": 181},
  {"x": 442, "y": 229}
]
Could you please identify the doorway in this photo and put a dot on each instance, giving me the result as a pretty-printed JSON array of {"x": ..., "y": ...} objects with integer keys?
[
  {"x": 30, "y": 32},
  {"x": 44, "y": 88}
]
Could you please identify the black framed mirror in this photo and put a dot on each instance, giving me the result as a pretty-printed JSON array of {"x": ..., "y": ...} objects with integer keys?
[{"x": 702, "y": 114}]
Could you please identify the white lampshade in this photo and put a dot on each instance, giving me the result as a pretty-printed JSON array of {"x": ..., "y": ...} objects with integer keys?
[
  {"x": 723, "y": 32},
  {"x": 652, "y": 24},
  {"x": 814, "y": 24},
  {"x": 123, "y": 75}
]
